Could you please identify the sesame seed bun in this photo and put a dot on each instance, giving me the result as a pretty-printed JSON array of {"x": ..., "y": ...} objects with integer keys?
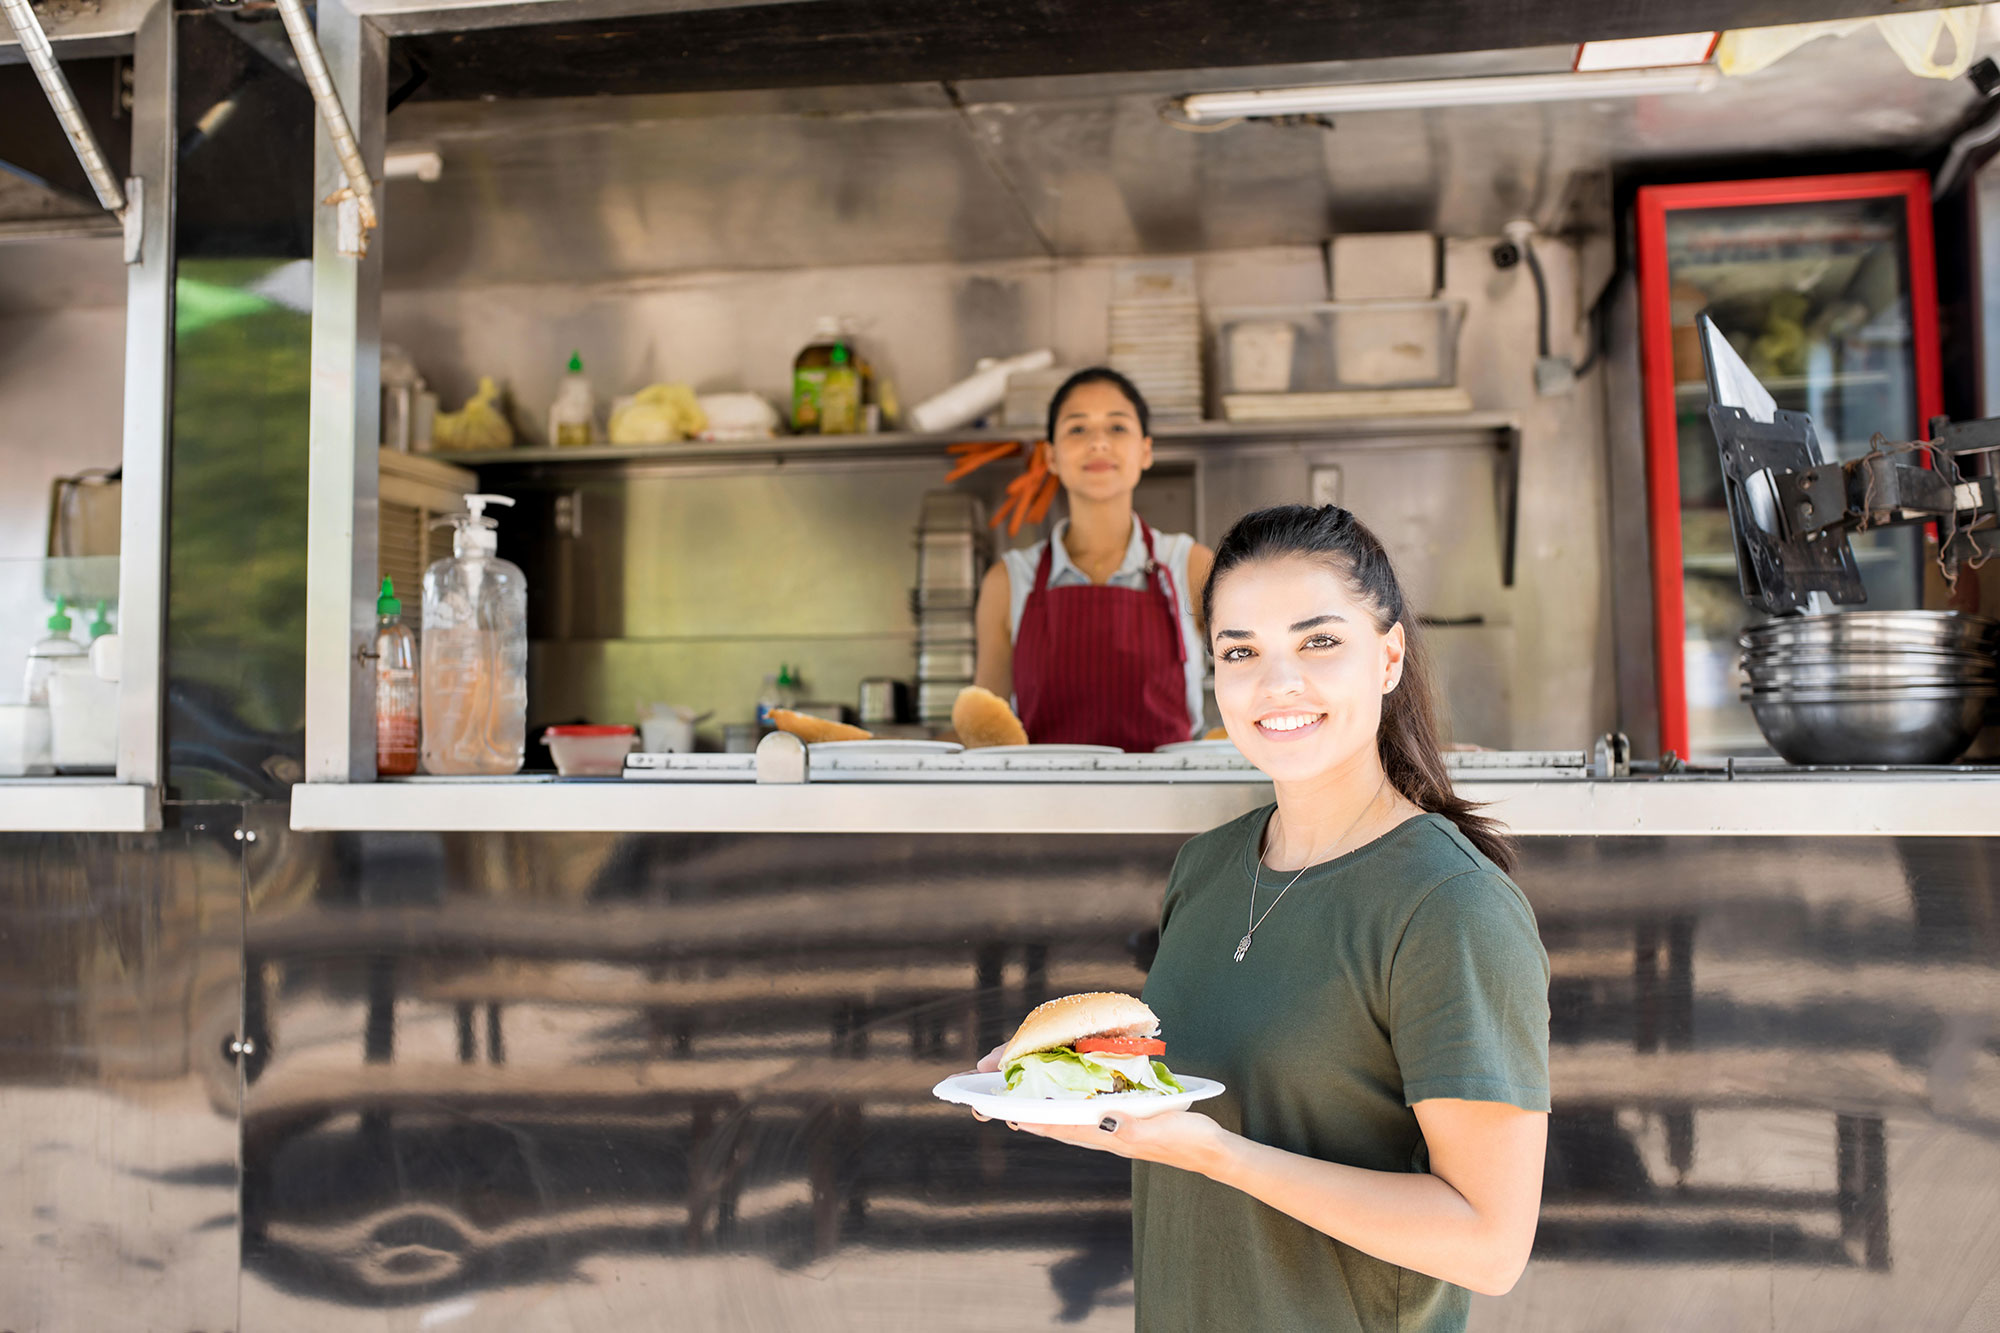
[{"x": 1074, "y": 1017}]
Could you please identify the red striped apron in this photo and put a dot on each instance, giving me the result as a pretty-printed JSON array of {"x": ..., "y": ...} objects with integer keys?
[{"x": 1100, "y": 665}]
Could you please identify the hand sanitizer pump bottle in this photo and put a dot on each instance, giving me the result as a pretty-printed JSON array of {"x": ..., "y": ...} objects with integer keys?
[{"x": 475, "y": 653}]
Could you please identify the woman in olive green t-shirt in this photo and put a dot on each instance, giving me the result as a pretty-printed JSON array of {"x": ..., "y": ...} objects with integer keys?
[{"x": 1356, "y": 967}]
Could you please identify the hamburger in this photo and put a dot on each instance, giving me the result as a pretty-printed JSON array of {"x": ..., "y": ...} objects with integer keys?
[{"x": 1087, "y": 1046}]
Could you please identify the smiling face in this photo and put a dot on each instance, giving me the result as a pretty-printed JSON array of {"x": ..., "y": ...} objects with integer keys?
[
  {"x": 1300, "y": 668},
  {"x": 1100, "y": 451}
]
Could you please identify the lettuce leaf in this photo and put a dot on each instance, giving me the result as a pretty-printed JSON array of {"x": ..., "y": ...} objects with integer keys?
[{"x": 1062, "y": 1073}]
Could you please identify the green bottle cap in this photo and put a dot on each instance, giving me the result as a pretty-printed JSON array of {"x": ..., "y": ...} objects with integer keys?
[
  {"x": 840, "y": 354},
  {"x": 101, "y": 626},
  {"x": 576, "y": 363},
  {"x": 386, "y": 604},
  {"x": 59, "y": 622}
]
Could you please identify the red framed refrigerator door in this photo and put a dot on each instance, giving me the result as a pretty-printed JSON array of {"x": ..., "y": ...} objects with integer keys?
[{"x": 1826, "y": 286}]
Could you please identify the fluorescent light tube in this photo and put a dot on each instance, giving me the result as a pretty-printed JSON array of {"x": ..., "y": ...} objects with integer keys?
[
  {"x": 1683, "y": 48},
  {"x": 1499, "y": 90}
]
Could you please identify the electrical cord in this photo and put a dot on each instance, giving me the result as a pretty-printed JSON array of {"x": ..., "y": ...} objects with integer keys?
[
  {"x": 1541, "y": 297},
  {"x": 1594, "y": 318}
]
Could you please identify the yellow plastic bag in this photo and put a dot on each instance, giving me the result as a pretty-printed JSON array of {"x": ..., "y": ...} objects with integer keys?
[
  {"x": 1913, "y": 37},
  {"x": 480, "y": 424},
  {"x": 658, "y": 414}
]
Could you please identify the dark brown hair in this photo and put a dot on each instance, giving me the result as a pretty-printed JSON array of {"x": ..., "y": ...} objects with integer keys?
[
  {"x": 1408, "y": 737},
  {"x": 1100, "y": 375}
]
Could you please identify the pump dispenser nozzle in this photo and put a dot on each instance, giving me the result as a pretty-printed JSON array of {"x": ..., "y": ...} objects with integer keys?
[{"x": 474, "y": 531}]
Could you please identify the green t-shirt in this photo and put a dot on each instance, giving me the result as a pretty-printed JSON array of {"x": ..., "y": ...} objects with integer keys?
[{"x": 1410, "y": 968}]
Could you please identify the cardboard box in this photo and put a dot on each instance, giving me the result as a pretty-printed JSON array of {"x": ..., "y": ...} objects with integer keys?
[{"x": 1383, "y": 266}]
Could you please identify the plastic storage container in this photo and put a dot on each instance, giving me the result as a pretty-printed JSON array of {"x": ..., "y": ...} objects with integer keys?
[
  {"x": 590, "y": 752},
  {"x": 474, "y": 678},
  {"x": 1336, "y": 345}
]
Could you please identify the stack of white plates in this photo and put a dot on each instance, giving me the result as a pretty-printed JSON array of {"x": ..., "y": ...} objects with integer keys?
[
  {"x": 1157, "y": 345},
  {"x": 951, "y": 558},
  {"x": 1155, "y": 330}
]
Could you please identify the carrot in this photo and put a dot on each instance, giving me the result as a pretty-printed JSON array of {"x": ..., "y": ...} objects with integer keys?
[
  {"x": 972, "y": 462},
  {"x": 1040, "y": 509},
  {"x": 982, "y": 446}
]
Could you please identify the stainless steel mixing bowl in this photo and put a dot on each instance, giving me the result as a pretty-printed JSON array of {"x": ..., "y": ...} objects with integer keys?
[
  {"x": 1914, "y": 629},
  {"x": 1862, "y": 676},
  {"x": 1911, "y": 726}
]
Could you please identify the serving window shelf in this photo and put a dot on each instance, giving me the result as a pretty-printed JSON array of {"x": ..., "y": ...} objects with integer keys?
[
  {"x": 1931, "y": 803},
  {"x": 77, "y": 805}
]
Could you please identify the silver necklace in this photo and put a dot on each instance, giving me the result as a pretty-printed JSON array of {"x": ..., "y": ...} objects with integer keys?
[{"x": 1257, "y": 865}]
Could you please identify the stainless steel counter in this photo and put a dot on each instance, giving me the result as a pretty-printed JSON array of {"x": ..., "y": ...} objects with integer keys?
[
  {"x": 1931, "y": 803},
  {"x": 538, "y": 1081},
  {"x": 77, "y": 805}
]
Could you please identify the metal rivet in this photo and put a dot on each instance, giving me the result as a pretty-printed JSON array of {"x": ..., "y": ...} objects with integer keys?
[{"x": 238, "y": 835}]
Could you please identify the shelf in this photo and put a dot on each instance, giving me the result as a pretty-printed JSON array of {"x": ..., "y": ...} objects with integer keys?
[
  {"x": 1868, "y": 379},
  {"x": 1344, "y": 432},
  {"x": 77, "y": 805},
  {"x": 1778, "y": 804},
  {"x": 1709, "y": 563}
]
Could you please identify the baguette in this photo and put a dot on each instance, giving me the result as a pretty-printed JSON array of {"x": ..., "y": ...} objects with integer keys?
[{"x": 814, "y": 730}]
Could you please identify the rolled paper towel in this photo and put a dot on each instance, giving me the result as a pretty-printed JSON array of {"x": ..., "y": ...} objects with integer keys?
[{"x": 976, "y": 394}]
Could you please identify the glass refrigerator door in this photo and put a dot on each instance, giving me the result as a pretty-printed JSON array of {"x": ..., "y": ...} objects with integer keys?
[{"x": 1817, "y": 299}]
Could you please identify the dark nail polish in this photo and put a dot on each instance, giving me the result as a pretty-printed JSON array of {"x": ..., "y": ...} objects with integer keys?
[{"x": 1109, "y": 1124}]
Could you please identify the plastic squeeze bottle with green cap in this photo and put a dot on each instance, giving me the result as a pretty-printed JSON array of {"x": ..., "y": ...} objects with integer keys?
[
  {"x": 840, "y": 394},
  {"x": 55, "y": 653},
  {"x": 100, "y": 624},
  {"x": 574, "y": 409},
  {"x": 396, "y": 695}
]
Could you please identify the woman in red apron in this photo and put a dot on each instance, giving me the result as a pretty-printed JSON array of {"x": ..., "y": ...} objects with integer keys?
[{"x": 1092, "y": 631}]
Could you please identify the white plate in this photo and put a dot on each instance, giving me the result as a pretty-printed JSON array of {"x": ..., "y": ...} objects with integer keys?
[
  {"x": 886, "y": 747},
  {"x": 1224, "y": 746},
  {"x": 984, "y": 1094},
  {"x": 1047, "y": 749}
]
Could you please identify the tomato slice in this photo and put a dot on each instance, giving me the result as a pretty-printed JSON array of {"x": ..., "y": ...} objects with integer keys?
[{"x": 1122, "y": 1045}]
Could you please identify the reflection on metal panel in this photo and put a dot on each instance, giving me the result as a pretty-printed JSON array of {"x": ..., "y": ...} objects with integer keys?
[
  {"x": 237, "y": 474},
  {"x": 692, "y": 1072},
  {"x": 121, "y": 957},
  {"x": 579, "y": 204}
]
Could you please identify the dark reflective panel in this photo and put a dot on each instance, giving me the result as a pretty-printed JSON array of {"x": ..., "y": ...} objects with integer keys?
[
  {"x": 235, "y": 715},
  {"x": 547, "y": 1081},
  {"x": 119, "y": 965}
]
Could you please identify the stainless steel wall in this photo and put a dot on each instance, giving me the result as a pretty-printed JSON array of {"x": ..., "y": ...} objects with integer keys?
[
  {"x": 689, "y": 584},
  {"x": 121, "y": 960},
  {"x": 62, "y": 366},
  {"x": 549, "y": 1082}
]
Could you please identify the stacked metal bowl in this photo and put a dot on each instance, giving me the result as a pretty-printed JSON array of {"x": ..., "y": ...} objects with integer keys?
[{"x": 1872, "y": 687}]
